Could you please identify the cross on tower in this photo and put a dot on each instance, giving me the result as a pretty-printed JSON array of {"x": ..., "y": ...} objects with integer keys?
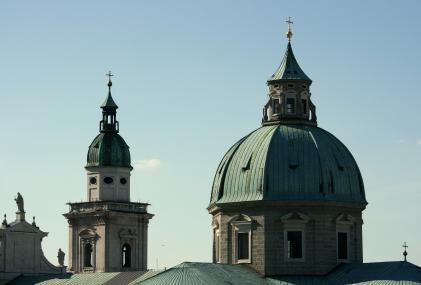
[
  {"x": 405, "y": 253},
  {"x": 289, "y": 33},
  {"x": 109, "y": 74}
]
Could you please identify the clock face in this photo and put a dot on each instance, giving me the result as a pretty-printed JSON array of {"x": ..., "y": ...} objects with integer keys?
[
  {"x": 108, "y": 180},
  {"x": 92, "y": 180},
  {"x": 123, "y": 180}
]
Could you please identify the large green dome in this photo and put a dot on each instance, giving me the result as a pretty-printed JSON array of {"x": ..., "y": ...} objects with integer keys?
[
  {"x": 108, "y": 149},
  {"x": 288, "y": 162}
]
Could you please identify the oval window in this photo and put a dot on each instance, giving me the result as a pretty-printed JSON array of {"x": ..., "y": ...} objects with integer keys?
[
  {"x": 123, "y": 180},
  {"x": 92, "y": 180},
  {"x": 108, "y": 180}
]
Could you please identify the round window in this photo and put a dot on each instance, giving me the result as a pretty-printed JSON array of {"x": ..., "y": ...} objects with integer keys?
[
  {"x": 123, "y": 180},
  {"x": 92, "y": 180},
  {"x": 108, "y": 180}
]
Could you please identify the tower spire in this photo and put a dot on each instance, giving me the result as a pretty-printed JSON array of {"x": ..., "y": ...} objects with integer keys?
[
  {"x": 289, "y": 33},
  {"x": 109, "y": 122}
]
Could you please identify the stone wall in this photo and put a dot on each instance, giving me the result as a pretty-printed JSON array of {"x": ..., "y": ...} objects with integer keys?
[
  {"x": 318, "y": 221},
  {"x": 21, "y": 251}
]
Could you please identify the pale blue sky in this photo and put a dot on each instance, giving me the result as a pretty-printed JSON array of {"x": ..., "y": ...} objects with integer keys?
[{"x": 190, "y": 81}]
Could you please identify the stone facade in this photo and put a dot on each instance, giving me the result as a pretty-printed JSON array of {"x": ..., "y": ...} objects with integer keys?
[
  {"x": 107, "y": 227},
  {"x": 21, "y": 250},
  {"x": 319, "y": 223}
]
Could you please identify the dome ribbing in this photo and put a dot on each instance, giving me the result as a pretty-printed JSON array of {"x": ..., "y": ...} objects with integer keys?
[
  {"x": 108, "y": 149},
  {"x": 288, "y": 162}
]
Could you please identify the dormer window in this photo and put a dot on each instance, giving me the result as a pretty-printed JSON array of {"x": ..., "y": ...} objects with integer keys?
[{"x": 290, "y": 106}]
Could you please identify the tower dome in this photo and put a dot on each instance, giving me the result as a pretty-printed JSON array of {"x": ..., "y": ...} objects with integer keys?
[
  {"x": 288, "y": 197},
  {"x": 108, "y": 149}
]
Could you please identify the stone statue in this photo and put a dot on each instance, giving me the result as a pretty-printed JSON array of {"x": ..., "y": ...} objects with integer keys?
[
  {"x": 19, "y": 202},
  {"x": 60, "y": 257}
]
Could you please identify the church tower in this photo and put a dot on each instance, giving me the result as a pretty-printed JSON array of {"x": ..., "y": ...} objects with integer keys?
[
  {"x": 287, "y": 199},
  {"x": 108, "y": 233}
]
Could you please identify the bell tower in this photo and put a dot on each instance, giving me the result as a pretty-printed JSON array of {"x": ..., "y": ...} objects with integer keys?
[
  {"x": 108, "y": 232},
  {"x": 108, "y": 162}
]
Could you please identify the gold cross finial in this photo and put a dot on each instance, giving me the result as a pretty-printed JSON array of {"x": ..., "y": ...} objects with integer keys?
[
  {"x": 109, "y": 74},
  {"x": 289, "y": 33}
]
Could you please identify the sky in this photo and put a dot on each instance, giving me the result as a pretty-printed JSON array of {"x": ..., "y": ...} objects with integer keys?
[{"x": 190, "y": 80}]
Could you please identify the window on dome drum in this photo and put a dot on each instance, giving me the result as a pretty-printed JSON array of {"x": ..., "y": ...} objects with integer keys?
[
  {"x": 92, "y": 180},
  {"x": 304, "y": 104},
  {"x": 126, "y": 255},
  {"x": 295, "y": 244},
  {"x": 108, "y": 180},
  {"x": 123, "y": 180},
  {"x": 290, "y": 105},
  {"x": 342, "y": 245},
  {"x": 290, "y": 85},
  {"x": 243, "y": 246},
  {"x": 275, "y": 106},
  {"x": 87, "y": 258},
  {"x": 217, "y": 245}
]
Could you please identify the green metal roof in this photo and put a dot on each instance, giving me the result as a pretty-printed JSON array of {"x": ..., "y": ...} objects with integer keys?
[
  {"x": 195, "y": 273},
  {"x": 108, "y": 278},
  {"x": 108, "y": 149},
  {"x": 109, "y": 102},
  {"x": 289, "y": 68},
  {"x": 288, "y": 162},
  {"x": 376, "y": 273}
]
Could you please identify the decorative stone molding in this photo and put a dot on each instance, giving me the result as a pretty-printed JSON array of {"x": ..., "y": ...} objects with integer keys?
[
  {"x": 127, "y": 233},
  {"x": 240, "y": 218},
  {"x": 345, "y": 219},
  {"x": 295, "y": 218},
  {"x": 89, "y": 233}
]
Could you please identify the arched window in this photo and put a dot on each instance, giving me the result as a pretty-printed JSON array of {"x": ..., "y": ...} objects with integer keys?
[
  {"x": 126, "y": 255},
  {"x": 87, "y": 255}
]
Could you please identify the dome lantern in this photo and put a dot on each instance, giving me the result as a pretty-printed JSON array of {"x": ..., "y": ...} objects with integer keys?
[
  {"x": 289, "y": 92},
  {"x": 109, "y": 122}
]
